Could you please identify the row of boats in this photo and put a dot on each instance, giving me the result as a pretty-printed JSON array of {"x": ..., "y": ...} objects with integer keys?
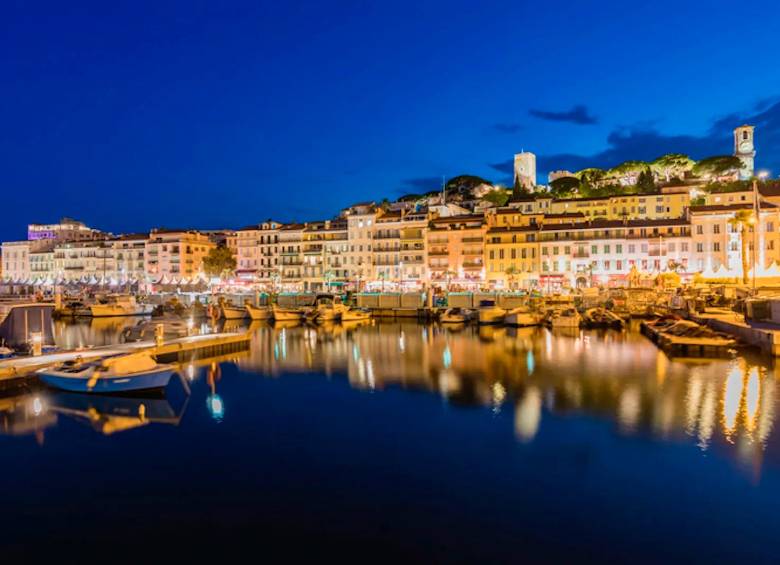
[
  {"x": 489, "y": 313},
  {"x": 326, "y": 308}
]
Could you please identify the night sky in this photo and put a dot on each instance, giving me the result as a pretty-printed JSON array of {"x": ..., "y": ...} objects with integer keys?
[{"x": 130, "y": 115}]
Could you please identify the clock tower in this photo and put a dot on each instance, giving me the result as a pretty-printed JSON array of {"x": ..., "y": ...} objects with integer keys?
[{"x": 745, "y": 150}]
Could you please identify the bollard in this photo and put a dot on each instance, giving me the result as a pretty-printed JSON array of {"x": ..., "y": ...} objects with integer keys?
[{"x": 159, "y": 334}]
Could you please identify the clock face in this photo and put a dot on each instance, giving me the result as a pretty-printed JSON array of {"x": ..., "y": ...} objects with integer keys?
[{"x": 744, "y": 146}]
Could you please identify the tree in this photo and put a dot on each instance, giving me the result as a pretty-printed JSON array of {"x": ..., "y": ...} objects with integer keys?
[
  {"x": 510, "y": 272},
  {"x": 672, "y": 165},
  {"x": 717, "y": 166},
  {"x": 564, "y": 187},
  {"x": 499, "y": 197},
  {"x": 645, "y": 182},
  {"x": 219, "y": 262},
  {"x": 741, "y": 220}
]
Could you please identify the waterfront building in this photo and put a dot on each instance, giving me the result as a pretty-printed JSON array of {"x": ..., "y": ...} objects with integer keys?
[
  {"x": 456, "y": 251},
  {"x": 85, "y": 261},
  {"x": 291, "y": 256},
  {"x": 176, "y": 253},
  {"x": 130, "y": 256},
  {"x": 16, "y": 260},
  {"x": 325, "y": 247},
  {"x": 257, "y": 253},
  {"x": 42, "y": 265},
  {"x": 387, "y": 249},
  {"x": 531, "y": 204},
  {"x": 603, "y": 252},
  {"x": 67, "y": 229},
  {"x": 717, "y": 239},
  {"x": 361, "y": 219}
]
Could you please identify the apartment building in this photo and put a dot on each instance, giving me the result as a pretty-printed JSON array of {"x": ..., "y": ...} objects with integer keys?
[
  {"x": 361, "y": 219},
  {"x": 291, "y": 256},
  {"x": 325, "y": 247},
  {"x": 456, "y": 250},
  {"x": 652, "y": 206},
  {"x": 85, "y": 261},
  {"x": 257, "y": 252},
  {"x": 130, "y": 256},
  {"x": 176, "y": 253}
]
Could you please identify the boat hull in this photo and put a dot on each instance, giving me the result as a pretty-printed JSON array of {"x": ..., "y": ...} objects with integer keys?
[
  {"x": 108, "y": 385},
  {"x": 259, "y": 313},
  {"x": 234, "y": 313},
  {"x": 109, "y": 310},
  {"x": 488, "y": 317},
  {"x": 521, "y": 320}
]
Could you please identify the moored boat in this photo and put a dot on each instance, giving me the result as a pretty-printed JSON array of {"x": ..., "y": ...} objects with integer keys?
[
  {"x": 259, "y": 312},
  {"x": 454, "y": 316},
  {"x": 287, "y": 314},
  {"x": 120, "y": 305},
  {"x": 328, "y": 308},
  {"x": 230, "y": 312},
  {"x": 522, "y": 316},
  {"x": 116, "y": 374},
  {"x": 602, "y": 318},
  {"x": 355, "y": 315},
  {"x": 490, "y": 313},
  {"x": 567, "y": 318}
]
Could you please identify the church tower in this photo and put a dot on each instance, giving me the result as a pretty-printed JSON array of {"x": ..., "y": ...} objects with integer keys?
[{"x": 745, "y": 150}]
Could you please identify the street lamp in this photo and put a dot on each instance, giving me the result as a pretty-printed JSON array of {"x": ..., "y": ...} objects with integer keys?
[{"x": 762, "y": 175}]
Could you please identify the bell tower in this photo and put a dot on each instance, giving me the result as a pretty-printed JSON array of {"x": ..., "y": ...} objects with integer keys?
[{"x": 745, "y": 150}]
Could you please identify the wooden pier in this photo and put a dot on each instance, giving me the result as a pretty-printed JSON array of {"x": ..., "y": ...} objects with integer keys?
[{"x": 180, "y": 349}]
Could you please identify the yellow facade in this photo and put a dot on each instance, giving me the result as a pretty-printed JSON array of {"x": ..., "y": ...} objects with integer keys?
[{"x": 656, "y": 206}]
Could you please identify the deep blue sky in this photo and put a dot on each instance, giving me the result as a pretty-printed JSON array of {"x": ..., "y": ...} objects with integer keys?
[{"x": 130, "y": 115}]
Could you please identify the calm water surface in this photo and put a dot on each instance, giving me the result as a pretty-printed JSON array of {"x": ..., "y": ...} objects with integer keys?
[{"x": 403, "y": 441}]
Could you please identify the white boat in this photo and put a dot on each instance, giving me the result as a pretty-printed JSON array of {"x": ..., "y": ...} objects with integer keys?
[
  {"x": 489, "y": 313},
  {"x": 120, "y": 305},
  {"x": 567, "y": 318},
  {"x": 328, "y": 308},
  {"x": 522, "y": 316},
  {"x": 454, "y": 316},
  {"x": 121, "y": 373},
  {"x": 287, "y": 314},
  {"x": 355, "y": 315},
  {"x": 259, "y": 312},
  {"x": 6, "y": 352}
]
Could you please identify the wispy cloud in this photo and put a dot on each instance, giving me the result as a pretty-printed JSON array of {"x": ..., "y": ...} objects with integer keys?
[
  {"x": 577, "y": 115},
  {"x": 506, "y": 127}
]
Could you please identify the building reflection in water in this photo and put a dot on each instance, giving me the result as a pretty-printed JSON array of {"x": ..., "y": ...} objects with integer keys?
[{"x": 613, "y": 375}]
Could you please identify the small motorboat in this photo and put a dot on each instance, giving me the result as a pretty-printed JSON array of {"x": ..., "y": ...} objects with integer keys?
[
  {"x": 287, "y": 314},
  {"x": 259, "y": 312},
  {"x": 328, "y": 308},
  {"x": 602, "y": 318},
  {"x": 120, "y": 305},
  {"x": 567, "y": 318},
  {"x": 522, "y": 316},
  {"x": 454, "y": 316},
  {"x": 115, "y": 374},
  {"x": 490, "y": 313},
  {"x": 355, "y": 315},
  {"x": 6, "y": 352},
  {"x": 145, "y": 330}
]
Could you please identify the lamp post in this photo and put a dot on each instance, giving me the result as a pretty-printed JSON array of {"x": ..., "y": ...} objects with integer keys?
[{"x": 756, "y": 221}]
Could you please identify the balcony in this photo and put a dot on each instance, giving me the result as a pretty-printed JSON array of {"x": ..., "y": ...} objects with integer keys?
[
  {"x": 385, "y": 262},
  {"x": 387, "y": 236},
  {"x": 581, "y": 254},
  {"x": 472, "y": 265},
  {"x": 438, "y": 253},
  {"x": 472, "y": 240}
]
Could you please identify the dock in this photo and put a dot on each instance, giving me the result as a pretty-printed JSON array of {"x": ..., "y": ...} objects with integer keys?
[
  {"x": 180, "y": 349},
  {"x": 763, "y": 335}
]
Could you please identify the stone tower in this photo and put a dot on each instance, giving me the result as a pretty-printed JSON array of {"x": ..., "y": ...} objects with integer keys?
[
  {"x": 745, "y": 150},
  {"x": 525, "y": 170}
]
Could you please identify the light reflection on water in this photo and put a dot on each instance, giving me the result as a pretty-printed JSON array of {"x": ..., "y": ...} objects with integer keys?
[
  {"x": 587, "y": 437},
  {"x": 608, "y": 375}
]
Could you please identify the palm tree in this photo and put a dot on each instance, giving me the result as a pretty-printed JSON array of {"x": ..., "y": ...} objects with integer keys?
[
  {"x": 510, "y": 273},
  {"x": 741, "y": 220}
]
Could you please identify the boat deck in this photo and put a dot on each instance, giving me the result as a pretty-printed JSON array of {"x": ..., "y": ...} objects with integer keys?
[{"x": 172, "y": 350}]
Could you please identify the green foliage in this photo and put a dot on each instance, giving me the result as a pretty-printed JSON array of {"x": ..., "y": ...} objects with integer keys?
[
  {"x": 565, "y": 187},
  {"x": 219, "y": 262},
  {"x": 498, "y": 196},
  {"x": 626, "y": 168},
  {"x": 717, "y": 166},
  {"x": 672, "y": 165},
  {"x": 646, "y": 182}
]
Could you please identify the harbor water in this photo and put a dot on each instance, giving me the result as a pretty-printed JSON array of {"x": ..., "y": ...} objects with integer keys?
[{"x": 399, "y": 440}]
